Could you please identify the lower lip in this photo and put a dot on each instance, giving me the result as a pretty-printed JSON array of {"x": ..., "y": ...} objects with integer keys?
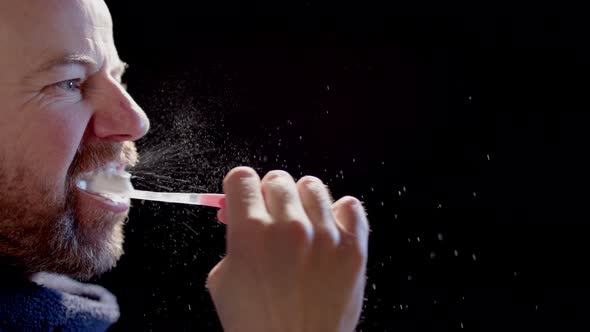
[{"x": 103, "y": 203}]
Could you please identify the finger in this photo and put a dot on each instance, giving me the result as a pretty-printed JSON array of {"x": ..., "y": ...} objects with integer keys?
[
  {"x": 243, "y": 198},
  {"x": 317, "y": 203},
  {"x": 352, "y": 219},
  {"x": 214, "y": 276},
  {"x": 281, "y": 197},
  {"x": 221, "y": 215}
]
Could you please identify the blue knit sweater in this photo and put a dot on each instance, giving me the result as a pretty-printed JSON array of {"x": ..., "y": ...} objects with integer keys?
[{"x": 52, "y": 302}]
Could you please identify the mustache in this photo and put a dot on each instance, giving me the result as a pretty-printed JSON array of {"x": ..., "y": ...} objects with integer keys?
[{"x": 91, "y": 156}]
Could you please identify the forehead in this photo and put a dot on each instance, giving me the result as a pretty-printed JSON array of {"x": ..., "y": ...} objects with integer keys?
[{"x": 37, "y": 30}]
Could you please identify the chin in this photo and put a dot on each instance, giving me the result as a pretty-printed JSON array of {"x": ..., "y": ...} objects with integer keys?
[
  {"x": 93, "y": 244},
  {"x": 81, "y": 244},
  {"x": 48, "y": 224}
]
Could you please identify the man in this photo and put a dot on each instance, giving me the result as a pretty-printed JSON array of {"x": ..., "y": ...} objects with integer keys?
[{"x": 295, "y": 260}]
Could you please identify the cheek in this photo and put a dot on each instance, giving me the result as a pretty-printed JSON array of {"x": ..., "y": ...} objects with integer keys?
[{"x": 52, "y": 139}]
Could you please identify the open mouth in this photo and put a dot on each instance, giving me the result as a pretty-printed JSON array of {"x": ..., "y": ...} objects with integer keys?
[{"x": 110, "y": 184}]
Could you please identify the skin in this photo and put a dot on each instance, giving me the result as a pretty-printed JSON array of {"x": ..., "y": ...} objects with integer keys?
[
  {"x": 295, "y": 259},
  {"x": 56, "y": 124}
]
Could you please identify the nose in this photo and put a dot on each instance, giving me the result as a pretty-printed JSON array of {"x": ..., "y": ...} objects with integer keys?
[{"x": 117, "y": 116}]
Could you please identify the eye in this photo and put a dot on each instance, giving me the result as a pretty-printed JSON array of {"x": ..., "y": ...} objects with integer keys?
[{"x": 73, "y": 85}]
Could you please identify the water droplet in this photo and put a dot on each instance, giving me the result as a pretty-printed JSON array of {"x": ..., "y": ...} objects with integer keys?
[
  {"x": 404, "y": 188},
  {"x": 474, "y": 194},
  {"x": 474, "y": 257},
  {"x": 440, "y": 236},
  {"x": 374, "y": 286},
  {"x": 456, "y": 253},
  {"x": 418, "y": 238},
  {"x": 410, "y": 278},
  {"x": 488, "y": 156},
  {"x": 399, "y": 193},
  {"x": 432, "y": 255}
]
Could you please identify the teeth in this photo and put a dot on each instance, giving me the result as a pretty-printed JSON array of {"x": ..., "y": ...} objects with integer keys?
[
  {"x": 82, "y": 184},
  {"x": 108, "y": 181}
]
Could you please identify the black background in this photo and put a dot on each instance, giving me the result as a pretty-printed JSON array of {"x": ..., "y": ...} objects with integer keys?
[{"x": 464, "y": 136}]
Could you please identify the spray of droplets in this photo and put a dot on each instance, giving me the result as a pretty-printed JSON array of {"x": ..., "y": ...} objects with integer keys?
[{"x": 186, "y": 149}]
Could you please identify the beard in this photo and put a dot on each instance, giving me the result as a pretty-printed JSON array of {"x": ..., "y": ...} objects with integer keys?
[{"x": 41, "y": 228}]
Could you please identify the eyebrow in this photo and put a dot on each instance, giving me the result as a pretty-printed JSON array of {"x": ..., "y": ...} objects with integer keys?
[
  {"x": 65, "y": 60},
  {"x": 72, "y": 59}
]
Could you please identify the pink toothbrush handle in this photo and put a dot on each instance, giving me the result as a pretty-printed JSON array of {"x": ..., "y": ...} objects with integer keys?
[{"x": 212, "y": 200}]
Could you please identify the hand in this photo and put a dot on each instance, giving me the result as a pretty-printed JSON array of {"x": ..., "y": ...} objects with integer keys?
[{"x": 295, "y": 260}]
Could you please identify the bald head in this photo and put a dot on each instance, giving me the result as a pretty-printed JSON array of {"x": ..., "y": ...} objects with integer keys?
[
  {"x": 63, "y": 113},
  {"x": 35, "y": 31}
]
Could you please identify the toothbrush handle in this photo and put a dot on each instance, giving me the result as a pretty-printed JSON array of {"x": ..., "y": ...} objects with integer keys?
[{"x": 212, "y": 200}]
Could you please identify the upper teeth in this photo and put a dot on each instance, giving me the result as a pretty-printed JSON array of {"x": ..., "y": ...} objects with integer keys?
[
  {"x": 105, "y": 180},
  {"x": 82, "y": 184}
]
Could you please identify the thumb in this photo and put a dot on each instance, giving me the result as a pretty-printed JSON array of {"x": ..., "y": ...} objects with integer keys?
[{"x": 215, "y": 275}]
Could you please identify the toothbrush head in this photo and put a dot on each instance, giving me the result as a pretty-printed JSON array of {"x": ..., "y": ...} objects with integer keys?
[{"x": 108, "y": 183}]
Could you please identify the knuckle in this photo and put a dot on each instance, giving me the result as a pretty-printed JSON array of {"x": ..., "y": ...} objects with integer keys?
[
  {"x": 239, "y": 173},
  {"x": 214, "y": 276},
  {"x": 309, "y": 180},
  {"x": 353, "y": 207},
  {"x": 354, "y": 251},
  {"x": 294, "y": 229},
  {"x": 357, "y": 257},
  {"x": 280, "y": 184},
  {"x": 316, "y": 188},
  {"x": 350, "y": 202},
  {"x": 326, "y": 237},
  {"x": 277, "y": 174},
  {"x": 256, "y": 220}
]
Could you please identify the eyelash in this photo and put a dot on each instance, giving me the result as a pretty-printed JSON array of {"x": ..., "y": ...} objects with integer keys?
[
  {"x": 70, "y": 85},
  {"x": 76, "y": 85}
]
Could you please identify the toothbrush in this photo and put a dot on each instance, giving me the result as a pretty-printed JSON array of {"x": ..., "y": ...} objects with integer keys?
[
  {"x": 212, "y": 200},
  {"x": 114, "y": 183}
]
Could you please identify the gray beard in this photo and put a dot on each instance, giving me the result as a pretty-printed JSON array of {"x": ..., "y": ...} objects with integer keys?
[{"x": 40, "y": 231}]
